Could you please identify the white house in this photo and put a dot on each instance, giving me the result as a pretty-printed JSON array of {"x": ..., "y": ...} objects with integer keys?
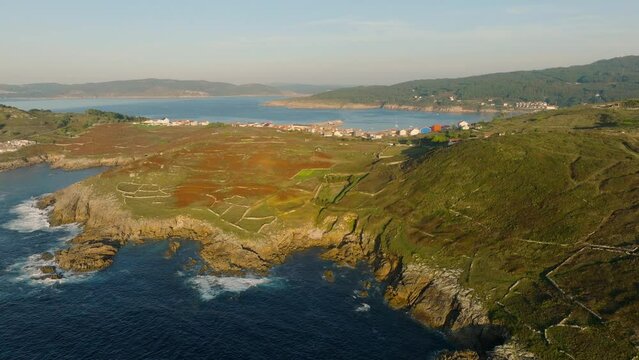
[
  {"x": 403, "y": 132},
  {"x": 464, "y": 125},
  {"x": 414, "y": 132}
]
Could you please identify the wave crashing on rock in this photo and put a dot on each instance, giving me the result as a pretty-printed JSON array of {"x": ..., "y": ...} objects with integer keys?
[
  {"x": 41, "y": 268},
  {"x": 29, "y": 218},
  {"x": 210, "y": 286}
]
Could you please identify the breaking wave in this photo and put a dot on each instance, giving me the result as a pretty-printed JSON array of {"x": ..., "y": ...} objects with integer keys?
[
  {"x": 30, "y": 270},
  {"x": 29, "y": 217},
  {"x": 41, "y": 268},
  {"x": 363, "y": 308},
  {"x": 210, "y": 286}
]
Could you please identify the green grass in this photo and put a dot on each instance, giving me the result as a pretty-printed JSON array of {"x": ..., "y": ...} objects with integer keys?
[{"x": 310, "y": 173}]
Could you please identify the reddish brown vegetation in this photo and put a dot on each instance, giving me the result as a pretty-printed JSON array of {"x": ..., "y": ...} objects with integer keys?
[{"x": 258, "y": 162}]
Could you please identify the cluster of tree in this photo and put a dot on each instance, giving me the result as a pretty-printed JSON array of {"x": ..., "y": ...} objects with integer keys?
[{"x": 110, "y": 116}]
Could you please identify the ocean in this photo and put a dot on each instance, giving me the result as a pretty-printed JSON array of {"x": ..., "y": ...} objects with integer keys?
[
  {"x": 249, "y": 109},
  {"x": 150, "y": 306}
]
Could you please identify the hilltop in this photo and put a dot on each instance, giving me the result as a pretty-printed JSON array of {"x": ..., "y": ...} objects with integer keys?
[
  {"x": 136, "y": 88},
  {"x": 599, "y": 82},
  {"x": 524, "y": 232}
]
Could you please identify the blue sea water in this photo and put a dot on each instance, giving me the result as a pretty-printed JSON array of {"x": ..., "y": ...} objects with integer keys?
[
  {"x": 147, "y": 306},
  {"x": 248, "y": 109}
]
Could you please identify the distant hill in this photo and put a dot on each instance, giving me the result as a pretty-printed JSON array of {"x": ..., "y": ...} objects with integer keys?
[
  {"x": 306, "y": 89},
  {"x": 601, "y": 81},
  {"x": 136, "y": 88}
]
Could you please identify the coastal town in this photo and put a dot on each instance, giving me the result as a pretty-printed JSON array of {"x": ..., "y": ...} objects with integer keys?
[
  {"x": 166, "y": 122},
  {"x": 332, "y": 128}
]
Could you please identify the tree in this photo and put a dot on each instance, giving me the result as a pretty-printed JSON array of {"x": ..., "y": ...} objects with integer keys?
[
  {"x": 606, "y": 120},
  {"x": 64, "y": 122},
  {"x": 439, "y": 138}
]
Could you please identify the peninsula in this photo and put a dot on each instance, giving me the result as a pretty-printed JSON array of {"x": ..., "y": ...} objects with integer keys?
[
  {"x": 520, "y": 91},
  {"x": 475, "y": 238}
]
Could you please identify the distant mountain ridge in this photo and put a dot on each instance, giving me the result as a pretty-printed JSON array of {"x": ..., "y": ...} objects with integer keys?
[
  {"x": 136, "y": 88},
  {"x": 602, "y": 81}
]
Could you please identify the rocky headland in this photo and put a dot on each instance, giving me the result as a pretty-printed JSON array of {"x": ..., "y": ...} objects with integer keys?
[{"x": 433, "y": 296}]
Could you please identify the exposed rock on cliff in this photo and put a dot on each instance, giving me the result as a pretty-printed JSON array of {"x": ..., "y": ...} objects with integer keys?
[
  {"x": 432, "y": 296},
  {"x": 435, "y": 298},
  {"x": 62, "y": 162},
  {"x": 103, "y": 218}
]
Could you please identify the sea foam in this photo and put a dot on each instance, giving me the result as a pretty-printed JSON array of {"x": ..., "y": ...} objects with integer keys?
[
  {"x": 210, "y": 286},
  {"x": 29, "y": 218},
  {"x": 29, "y": 270}
]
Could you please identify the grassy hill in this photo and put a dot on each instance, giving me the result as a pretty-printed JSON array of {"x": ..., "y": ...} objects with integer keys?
[
  {"x": 542, "y": 222},
  {"x": 135, "y": 88},
  {"x": 605, "y": 80}
]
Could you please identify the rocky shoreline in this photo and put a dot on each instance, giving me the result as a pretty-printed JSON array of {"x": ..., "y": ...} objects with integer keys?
[
  {"x": 432, "y": 296},
  {"x": 58, "y": 161},
  {"x": 328, "y": 105}
]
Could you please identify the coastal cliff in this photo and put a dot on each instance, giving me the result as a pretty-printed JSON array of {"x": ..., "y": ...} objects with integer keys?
[
  {"x": 432, "y": 296},
  {"x": 58, "y": 161},
  {"x": 473, "y": 239}
]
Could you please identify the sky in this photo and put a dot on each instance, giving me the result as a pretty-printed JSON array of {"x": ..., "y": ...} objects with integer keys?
[{"x": 319, "y": 42}]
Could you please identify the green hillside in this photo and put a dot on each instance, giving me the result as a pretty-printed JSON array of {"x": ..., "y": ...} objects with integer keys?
[
  {"x": 602, "y": 81},
  {"x": 135, "y": 88},
  {"x": 541, "y": 218}
]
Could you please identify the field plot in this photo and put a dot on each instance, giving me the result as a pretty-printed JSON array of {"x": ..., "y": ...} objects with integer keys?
[
  {"x": 242, "y": 179},
  {"x": 305, "y": 174}
]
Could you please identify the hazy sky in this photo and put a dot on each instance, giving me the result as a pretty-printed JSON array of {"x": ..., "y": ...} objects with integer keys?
[{"x": 336, "y": 42}]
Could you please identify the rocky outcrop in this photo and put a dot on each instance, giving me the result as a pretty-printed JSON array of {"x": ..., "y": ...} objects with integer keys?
[
  {"x": 510, "y": 351},
  {"x": 174, "y": 246},
  {"x": 87, "y": 256},
  {"x": 458, "y": 355},
  {"x": 103, "y": 218},
  {"x": 434, "y": 297},
  {"x": 62, "y": 162},
  {"x": 22, "y": 162},
  {"x": 66, "y": 163}
]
